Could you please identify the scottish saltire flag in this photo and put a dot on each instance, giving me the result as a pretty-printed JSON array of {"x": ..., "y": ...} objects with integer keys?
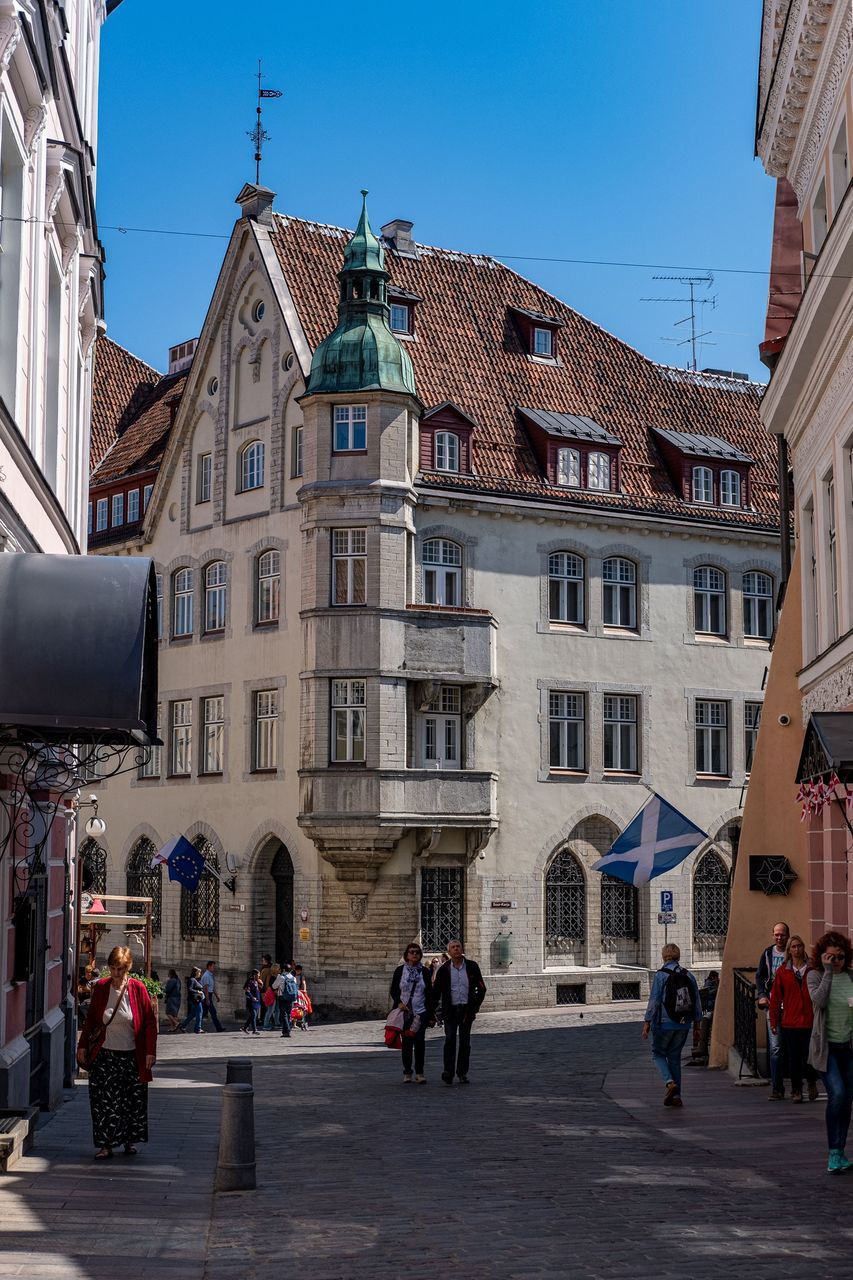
[
  {"x": 184, "y": 861},
  {"x": 654, "y": 842}
]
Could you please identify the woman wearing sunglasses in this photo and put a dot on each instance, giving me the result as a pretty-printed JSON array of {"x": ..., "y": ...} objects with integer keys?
[
  {"x": 830, "y": 985},
  {"x": 411, "y": 991}
]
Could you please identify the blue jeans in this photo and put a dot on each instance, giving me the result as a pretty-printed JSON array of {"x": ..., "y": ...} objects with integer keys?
[
  {"x": 285, "y": 1004},
  {"x": 777, "y": 1062},
  {"x": 838, "y": 1079},
  {"x": 209, "y": 1007},
  {"x": 271, "y": 1018},
  {"x": 666, "y": 1052},
  {"x": 195, "y": 1015}
]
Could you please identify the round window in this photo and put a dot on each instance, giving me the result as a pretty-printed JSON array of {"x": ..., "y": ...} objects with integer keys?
[
  {"x": 258, "y": 311},
  {"x": 213, "y": 386},
  {"x": 287, "y": 362}
]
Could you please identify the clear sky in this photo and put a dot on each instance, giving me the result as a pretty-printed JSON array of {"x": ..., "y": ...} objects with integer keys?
[{"x": 607, "y": 130}]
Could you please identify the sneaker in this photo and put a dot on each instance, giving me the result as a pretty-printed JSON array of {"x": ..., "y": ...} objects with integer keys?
[
  {"x": 462, "y": 1079},
  {"x": 838, "y": 1162},
  {"x": 420, "y": 1080},
  {"x": 812, "y": 1093},
  {"x": 671, "y": 1091},
  {"x": 676, "y": 1102},
  {"x": 446, "y": 1079},
  {"x": 775, "y": 1096},
  {"x": 407, "y": 1077}
]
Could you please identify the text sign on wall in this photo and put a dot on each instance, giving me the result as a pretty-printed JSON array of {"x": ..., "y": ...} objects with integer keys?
[
  {"x": 666, "y": 900},
  {"x": 503, "y": 905}
]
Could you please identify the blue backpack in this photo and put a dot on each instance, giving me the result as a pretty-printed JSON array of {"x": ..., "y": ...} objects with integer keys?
[{"x": 290, "y": 988}]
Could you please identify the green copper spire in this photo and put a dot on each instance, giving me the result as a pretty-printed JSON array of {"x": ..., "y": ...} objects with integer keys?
[{"x": 362, "y": 354}]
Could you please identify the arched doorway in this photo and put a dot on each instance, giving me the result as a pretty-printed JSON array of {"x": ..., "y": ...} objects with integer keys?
[{"x": 282, "y": 875}]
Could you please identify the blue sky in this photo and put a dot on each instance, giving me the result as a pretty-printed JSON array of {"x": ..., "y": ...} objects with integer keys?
[{"x": 611, "y": 131}]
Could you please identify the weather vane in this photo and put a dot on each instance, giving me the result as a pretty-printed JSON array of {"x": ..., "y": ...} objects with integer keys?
[{"x": 259, "y": 134}]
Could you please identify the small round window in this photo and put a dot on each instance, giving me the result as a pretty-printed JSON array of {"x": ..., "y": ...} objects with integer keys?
[
  {"x": 258, "y": 311},
  {"x": 213, "y": 386},
  {"x": 287, "y": 362}
]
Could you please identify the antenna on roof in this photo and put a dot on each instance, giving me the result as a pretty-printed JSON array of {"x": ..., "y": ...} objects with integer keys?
[
  {"x": 693, "y": 283},
  {"x": 259, "y": 134}
]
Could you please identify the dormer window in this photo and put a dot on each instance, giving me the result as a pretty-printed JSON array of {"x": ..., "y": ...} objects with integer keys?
[
  {"x": 543, "y": 342},
  {"x": 445, "y": 440},
  {"x": 401, "y": 305},
  {"x": 400, "y": 318},
  {"x": 569, "y": 468},
  {"x": 703, "y": 484},
  {"x": 575, "y": 452},
  {"x": 446, "y": 451},
  {"x": 729, "y": 489},
  {"x": 705, "y": 469},
  {"x": 598, "y": 471},
  {"x": 538, "y": 332}
]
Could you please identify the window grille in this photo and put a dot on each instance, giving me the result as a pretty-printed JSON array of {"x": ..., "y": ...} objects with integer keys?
[
  {"x": 565, "y": 588},
  {"x": 565, "y": 904},
  {"x": 146, "y": 880},
  {"x": 215, "y": 578},
  {"x": 618, "y": 910},
  {"x": 442, "y": 906},
  {"x": 620, "y": 592},
  {"x": 575, "y": 993},
  {"x": 625, "y": 991},
  {"x": 268, "y": 592},
  {"x": 200, "y": 910},
  {"x": 93, "y": 860},
  {"x": 709, "y": 600},
  {"x": 569, "y": 468},
  {"x": 711, "y": 896}
]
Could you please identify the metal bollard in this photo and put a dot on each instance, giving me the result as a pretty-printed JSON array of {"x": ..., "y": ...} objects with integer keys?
[
  {"x": 238, "y": 1071},
  {"x": 235, "y": 1166}
]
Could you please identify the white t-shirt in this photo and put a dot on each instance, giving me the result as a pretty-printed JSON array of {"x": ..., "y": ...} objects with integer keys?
[{"x": 120, "y": 1031}]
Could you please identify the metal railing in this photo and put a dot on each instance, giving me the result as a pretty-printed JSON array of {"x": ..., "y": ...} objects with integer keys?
[{"x": 746, "y": 1022}]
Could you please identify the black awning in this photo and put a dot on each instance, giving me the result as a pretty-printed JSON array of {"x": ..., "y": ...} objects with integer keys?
[
  {"x": 78, "y": 645},
  {"x": 828, "y": 747}
]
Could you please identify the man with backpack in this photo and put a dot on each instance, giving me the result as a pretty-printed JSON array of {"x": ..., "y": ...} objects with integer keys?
[
  {"x": 286, "y": 988},
  {"x": 674, "y": 1007}
]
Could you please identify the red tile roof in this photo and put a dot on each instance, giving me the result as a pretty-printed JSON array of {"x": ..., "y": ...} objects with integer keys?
[
  {"x": 467, "y": 350},
  {"x": 146, "y": 426},
  {"x": 121, "y": 381}
]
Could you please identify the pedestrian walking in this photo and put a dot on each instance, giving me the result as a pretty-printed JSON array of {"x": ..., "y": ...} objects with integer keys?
[
  {"x": 411, "y": 991},
  {"x": 252, "y": 991},
  {"x": 792, "y": 1017},
  {"x": 269, "y": 999},
  {"x": 172, "y": 997},
  {"x": 265, "y": 972},
  {"x": 287, "y": 990},
  {"x": 830, "y": 985},
  {"x": 195, "y": 1002},
  {"x": 772, "y": 959},
  {"x": 673, "y": 1006},
  {"x": 208, "y": 983},
  {"x": 118, "y": 1047},
  {"x": 303, "y": 1008},
  {"x": 459, "y": 990}
]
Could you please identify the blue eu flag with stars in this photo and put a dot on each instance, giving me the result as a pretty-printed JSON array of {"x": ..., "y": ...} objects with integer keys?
[{"x": 184, "y": 861}]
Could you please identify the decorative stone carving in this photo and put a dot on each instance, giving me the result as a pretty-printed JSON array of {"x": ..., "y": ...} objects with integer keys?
[
  {"x": 803, "y": 451},
  {"x": 833, "y": 693},
  {"x": 357, "y": 906},
  {"x": 35, "y": 121},
  {"x": 789, "y": 76},
  {"x": 10, "y": 37},
  {"x": 54, "y": 187},
  {"x": 476, "y": 840},
  {"x": 426, "y": 841},
  {"x": 827, "y": 97},
  {"x": 69, "y": 249}
]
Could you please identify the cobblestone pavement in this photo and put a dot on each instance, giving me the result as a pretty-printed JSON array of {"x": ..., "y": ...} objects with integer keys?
[{"x": 556, "y": 1161}]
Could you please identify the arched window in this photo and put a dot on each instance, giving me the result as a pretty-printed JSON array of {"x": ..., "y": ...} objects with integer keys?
[
  {"x": 200, "y": 910},
  {"x": 93, "y": 867},
  {"x": 620, "y": 592},
  {"x": 703, "y": 484},
  {"x": 182, "y": 603},
  {"x": 267, "y": 587},
  {"x": 569, "y": 468},
  {"x": 729, "y": 489},
  {"x": 446, "y": 451},
  {"x": 757, "y": 605},
  {"x": 710, "y": 901},
  {"x": 565, "y": 904},
  {"x": 145, "y": 880},
  {"x": 565, "y": 588},
  {"x": 442, "y": 566},
  {"x": 598, "y": 471},
  {"x": 252, "y": 466},
  {"x": 618, "y": 908},
  {"x": 215, "y": 578},
  {"x": 709, "y": 600}
]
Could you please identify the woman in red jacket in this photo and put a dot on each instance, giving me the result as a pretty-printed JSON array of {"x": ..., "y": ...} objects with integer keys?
[
  {"x": 120, "y": 1064},
  {"x": 791, "y": 1007}
]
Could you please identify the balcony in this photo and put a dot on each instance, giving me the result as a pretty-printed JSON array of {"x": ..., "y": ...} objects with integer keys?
[
  {"x": 439, "y": 641},
  {"x": 464, "y": 798}
]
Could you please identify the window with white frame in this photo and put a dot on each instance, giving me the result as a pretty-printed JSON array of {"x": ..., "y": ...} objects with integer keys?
[
  {"x": 566, "y": 737},
  {"x": 101, "y": 515},
  {"x": 146, "y": 496},
  {"x": 118, "y": 509},
  {"x": 268, "y": 587},
  {"x": 565, "y": 588},
  {"x": 729, "y": 489},
  {"x": 152, "y": 763},
  {"x": 709, "y": 601},
  {"x": 543, "y": 342},
  {"x": 182, "y": 738},
  {"x": 296, "y": 464},
  {"x": 399, "y": 318},
  {"x": 620, "y": 733},
  {"x": 132, "y": 506},
  {"x": 266, "y": 730},
  {"x": 751, "y": 718},
  {"x": 440, "y": 730},
  {"x": 252, "y": 466},
  {"x": 89, "y": 521},
  {"x": 213, "y": 731},
  {"x": 350, "y": 428},
  {"x": 442, "y": 569},
  {"x": 598, "y": 471},
  {"x": 569, "y": 468},
  {"x": 757, "y": 606},
  {"x": 182, "y": 603},
  {"x": 712, "y": 737},
  {"x": 446, "y": 451},
  {"x": 348, "y": 721},
  {"x": 620, "y": 592},
  {"x": 703, "y": 484},
  {"x": 215, "y": 598},
  {"x": 832, "y": 553},
  {"x": 203, "y": 477},
  {"x": 158, "y": 578},
  {"x": 349, "y": 566}
]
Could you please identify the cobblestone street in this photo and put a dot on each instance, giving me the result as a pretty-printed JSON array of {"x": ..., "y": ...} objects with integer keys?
[{"x": 557, "y": 1160}]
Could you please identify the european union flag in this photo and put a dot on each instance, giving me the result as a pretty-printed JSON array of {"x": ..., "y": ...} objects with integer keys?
[
  {"x": 654, "y": 842},
  {"x": 184, "y": 861}
]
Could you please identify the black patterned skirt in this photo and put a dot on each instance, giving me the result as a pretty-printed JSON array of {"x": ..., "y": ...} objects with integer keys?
[{"x": 119, "y": 1102}]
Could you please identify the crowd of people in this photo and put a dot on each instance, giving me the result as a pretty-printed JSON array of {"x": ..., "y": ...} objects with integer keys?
[{"x": 275, "y": 996}]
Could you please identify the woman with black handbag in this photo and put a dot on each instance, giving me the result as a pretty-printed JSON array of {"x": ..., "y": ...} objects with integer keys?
[
  {"x": 118, "y": 1048},
  {"x": 411, "y": 991}
]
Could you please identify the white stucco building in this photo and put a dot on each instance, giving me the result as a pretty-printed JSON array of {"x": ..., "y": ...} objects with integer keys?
[{"x": 445, "y": 589}]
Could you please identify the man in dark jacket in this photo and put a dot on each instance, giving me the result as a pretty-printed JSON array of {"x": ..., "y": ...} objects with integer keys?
[
  {"x": 460, "y": 990},
  {"x": 772, "y": 958}
]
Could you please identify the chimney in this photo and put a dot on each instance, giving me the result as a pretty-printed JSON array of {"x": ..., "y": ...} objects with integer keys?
[
  {"x": 256, "y": 203},
  {"x": 399, "y": 234},
  {"x": 181, "y": 356}
]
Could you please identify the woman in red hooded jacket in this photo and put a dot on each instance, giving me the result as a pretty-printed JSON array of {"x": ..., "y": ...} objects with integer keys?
[
  {"x": 791, "y": 1008},
  {"x": 120, "y": 1065}
]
